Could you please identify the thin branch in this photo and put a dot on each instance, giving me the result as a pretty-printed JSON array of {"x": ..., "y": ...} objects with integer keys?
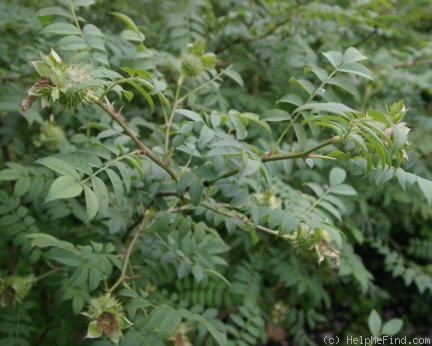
[
  {"x": 243, "y": 219},
  {"x": 366, "y": 38},
  {"x": 123, "y": 275},
  {"x": 168, "y": 123},
  {"x": 178, "y": 100},
  {"x": 110, "y": 163},
  {"x": 43, "y": 276},
  {"x": 304, "y": 154},
  {"x": 144, "y": 150},
  {"x": 297, "y": 114},
  {"x": 130, "y": 229},
  {"x": 78, "y": 26}
]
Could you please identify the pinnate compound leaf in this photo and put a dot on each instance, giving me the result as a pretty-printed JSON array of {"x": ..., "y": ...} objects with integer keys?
[{"x": 64, "y": 187}]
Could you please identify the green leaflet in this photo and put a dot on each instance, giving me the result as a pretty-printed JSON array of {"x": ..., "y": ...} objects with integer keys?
[
  {"x": 92, "y": 203},
  {"x": 59, "y": 166},
  {"x": 64, "y": 187},
  {"x": 61, "y": 29},
  {"x": 374, "y": 323},
  {"x": 196, "y": 190}
]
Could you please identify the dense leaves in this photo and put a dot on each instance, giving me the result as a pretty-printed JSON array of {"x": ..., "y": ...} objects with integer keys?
[{"x": 205, "y": 172}]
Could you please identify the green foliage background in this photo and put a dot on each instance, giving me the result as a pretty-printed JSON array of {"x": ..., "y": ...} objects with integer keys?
[{"x": 212, "y": 196}]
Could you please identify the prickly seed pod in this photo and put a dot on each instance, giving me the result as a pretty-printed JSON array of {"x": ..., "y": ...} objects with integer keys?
[
  {"x": 191, "y": 65},
  {"x": 305, "y": 240},
  {"x": 108, "y": 318},
  {"x": 318, "y": 239},
  {"x": 72, "y": 95},
  {"x": 59, "y": 82}
]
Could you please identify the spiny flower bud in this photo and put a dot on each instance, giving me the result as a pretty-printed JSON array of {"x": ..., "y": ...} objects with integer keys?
[
  {"x": 50, "y": 135},
  {"x": 209, "y": 61},
  {"x": 107, "y": 317},
  {"x": 194, "y": 62}
]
